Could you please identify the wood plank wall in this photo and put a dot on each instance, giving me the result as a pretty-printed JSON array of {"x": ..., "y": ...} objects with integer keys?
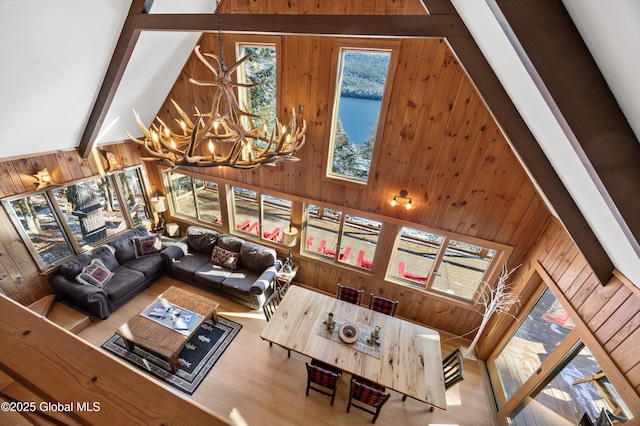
[
  {"x": 439, "y": 142},
  {"x": 611, "y": 312},
  {"x": 20, "y": 278}
]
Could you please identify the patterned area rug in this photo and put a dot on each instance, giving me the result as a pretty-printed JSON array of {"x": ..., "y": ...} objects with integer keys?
[{"x": 196, "y": 359}]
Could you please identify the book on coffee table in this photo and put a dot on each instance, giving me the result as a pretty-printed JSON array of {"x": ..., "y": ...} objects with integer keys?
[
  {"x": 160, "y": 309},
  {"x": 184, "y": 320}
]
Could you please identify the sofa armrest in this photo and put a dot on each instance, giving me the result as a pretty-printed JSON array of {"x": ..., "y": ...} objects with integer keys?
[
  {"x": 175, "y": 252},
  {"x": 264, "y": 281},
  {"x": 87, "y": 297}
]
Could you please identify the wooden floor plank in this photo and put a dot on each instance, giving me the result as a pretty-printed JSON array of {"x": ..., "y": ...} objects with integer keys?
[{"x": 269, "y": 389}]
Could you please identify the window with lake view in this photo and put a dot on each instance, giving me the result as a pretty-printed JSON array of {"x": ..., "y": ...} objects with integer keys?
[{"x": 361, "y": 80}]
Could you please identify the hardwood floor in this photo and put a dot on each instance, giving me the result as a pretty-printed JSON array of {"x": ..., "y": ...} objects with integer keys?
[{"x": 269, "y": 389}]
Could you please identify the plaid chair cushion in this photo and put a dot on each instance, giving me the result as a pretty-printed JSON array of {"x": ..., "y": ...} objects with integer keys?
[
  {"x": 349, "y": 294},
  {"x": 381, "y": 304},
  {"x": 322, "y": 377},
  {"x": 368, "y": 394}
]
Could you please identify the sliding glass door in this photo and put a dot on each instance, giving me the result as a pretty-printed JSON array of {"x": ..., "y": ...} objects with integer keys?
[{"x": 542, "y": 373}]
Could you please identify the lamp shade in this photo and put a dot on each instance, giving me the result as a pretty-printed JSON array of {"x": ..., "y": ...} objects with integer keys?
[
  {"x": 159, "y": 204},
  {"x": 289, "y": 236}
]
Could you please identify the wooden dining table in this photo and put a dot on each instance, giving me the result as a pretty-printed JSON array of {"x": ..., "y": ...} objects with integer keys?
[{"x": 408, "y": 358}]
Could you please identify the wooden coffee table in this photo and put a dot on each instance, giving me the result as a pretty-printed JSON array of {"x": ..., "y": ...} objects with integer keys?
[{"x": 163, "y": 340}]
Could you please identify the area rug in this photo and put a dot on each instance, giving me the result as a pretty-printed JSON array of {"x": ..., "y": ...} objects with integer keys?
[{"x": 196, "y": 359}]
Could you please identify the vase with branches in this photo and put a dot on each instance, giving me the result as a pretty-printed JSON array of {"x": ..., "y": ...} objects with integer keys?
[{"x": 498, "y": 300}]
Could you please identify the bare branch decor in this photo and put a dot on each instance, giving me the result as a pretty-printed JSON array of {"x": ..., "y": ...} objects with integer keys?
[{"x": 499, "y": 300}]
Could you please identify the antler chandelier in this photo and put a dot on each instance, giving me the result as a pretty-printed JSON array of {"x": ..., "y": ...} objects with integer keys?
[{"x": 226, "y": 132}]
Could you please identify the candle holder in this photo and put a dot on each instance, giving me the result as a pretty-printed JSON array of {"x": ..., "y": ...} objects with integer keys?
[
  {"x": 329, "y": 322},
  {"x": 375, "y": 335}
]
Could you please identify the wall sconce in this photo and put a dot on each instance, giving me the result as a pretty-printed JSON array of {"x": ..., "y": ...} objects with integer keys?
[
  {"x": 402, "y": 198},
  {"x": 159, "y": 205},
  {"x": 107, "y": 160},
  {"x": 289, "y": 239},
  {"x": 44, "y": 179},
  {"x": 113, "y": 162}
]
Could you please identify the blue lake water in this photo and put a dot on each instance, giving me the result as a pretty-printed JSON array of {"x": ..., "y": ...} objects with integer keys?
[{"x": 358, "y": 116}]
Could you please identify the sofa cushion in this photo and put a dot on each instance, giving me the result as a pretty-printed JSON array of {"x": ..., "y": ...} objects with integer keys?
[
  {"x": 240, "y": 280},
  {"x": 72, "y": 268},
  {"x": 149, "y": 265},
  {"x": 124, "y": 280},
  {"x": 144, "y": 246},
  {"x": 230, "y": 242},
  {"x": 201, "y": 239},
  {"x": 212, "y": 275},
  {"x": 257, "y": 257},
  {"x": 123, "y": 245},
  {"x": 107, "y": 255},
  {"x": 226, "y": 258},
  {"x": 95, "y": 274},
  {"x": 188, "y": 264}
]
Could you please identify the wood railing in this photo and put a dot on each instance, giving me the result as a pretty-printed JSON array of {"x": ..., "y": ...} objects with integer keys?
[{"x": 59, "y": 367}]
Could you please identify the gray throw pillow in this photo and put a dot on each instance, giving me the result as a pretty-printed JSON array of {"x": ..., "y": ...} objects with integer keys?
[
  {"x": 230, "y": 242},
  {"x": 106, "y": 254},
  {"x": 201, "y": 239},
  {"x": 71, "y": 268},
  {"x": 257, "y": 257}
]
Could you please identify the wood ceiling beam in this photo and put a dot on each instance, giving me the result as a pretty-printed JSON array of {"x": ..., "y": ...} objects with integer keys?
[
  {"x": 395, "y": 26},
  {"x": 444, "y": 25},
  {"x": 523, "y": 141},
  {"x": 534, "y": 158},
  {"x": 565, "y": 67},
  {"x": 121, "y": 55},
  {"x": 138, "y": 20}
]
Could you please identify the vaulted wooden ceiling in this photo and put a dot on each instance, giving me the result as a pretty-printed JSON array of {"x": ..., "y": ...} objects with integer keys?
[{"x": 593, "y": 118}]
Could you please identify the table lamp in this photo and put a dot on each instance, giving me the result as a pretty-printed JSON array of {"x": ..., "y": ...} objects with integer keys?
[
  {"x": 289, "y": 239},
  {"x": 159, "y": 205}
]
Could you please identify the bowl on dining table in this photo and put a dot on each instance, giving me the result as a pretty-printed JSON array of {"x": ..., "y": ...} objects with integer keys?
[{"x": 349, "y": 333}]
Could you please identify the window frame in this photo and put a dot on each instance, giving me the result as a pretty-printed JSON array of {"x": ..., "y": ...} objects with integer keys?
[
  {"x": 344, "y": 215},
  {"x": 502, "y": 253},
  {"x": 538, "y": 280},
  {"x": 240, "y": 75},
  {"x": 59, "y": 216},
  {"x": 393, "y": 46},
  {"x": 173, "y": 199},
  {"x": 260, "y": 200}
]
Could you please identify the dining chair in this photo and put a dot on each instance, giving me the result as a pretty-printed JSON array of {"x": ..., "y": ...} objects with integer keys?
[
  {"x": 349, "y": 294},
  {"x": 452, "y": 370},
  {"x": 382, "y": 304},
  {"x": 270, "y": 305},
  {"x": 368, "y": 393},
  {"x": 325, "y": 377}
]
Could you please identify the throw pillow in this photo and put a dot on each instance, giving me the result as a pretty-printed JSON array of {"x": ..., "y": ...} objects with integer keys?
[
  {"x": 201, "y": 239},
  {"x": 147, "y": 245},
  {"x": 95, "y": 274},
  {"x": 225, "y": 258}
]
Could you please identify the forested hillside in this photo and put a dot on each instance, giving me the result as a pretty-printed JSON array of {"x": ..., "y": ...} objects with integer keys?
[{"x": 364, "y": 75}]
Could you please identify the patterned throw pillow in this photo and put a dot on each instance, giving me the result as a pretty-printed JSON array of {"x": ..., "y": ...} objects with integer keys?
[
  {"x": 147, "y": 245},
  {"x": 95, "y": 274},
  {"x": 224, "y": 257}
]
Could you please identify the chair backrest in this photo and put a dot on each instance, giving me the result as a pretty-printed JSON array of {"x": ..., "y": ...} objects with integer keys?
[
  {"x": 323, "y": 377},
  {"x": 382, "y": 304},
  {"x": 349, "y": 294},
  {"x": 369, "y": 395},
  {"x": 452, "y": 367},
  {"x": 271, "y": 304}
]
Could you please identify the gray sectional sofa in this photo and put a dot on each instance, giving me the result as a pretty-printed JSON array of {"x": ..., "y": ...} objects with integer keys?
[
  {"x": 124, "y": 274},
  {"x": 241, "y": 270}
]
